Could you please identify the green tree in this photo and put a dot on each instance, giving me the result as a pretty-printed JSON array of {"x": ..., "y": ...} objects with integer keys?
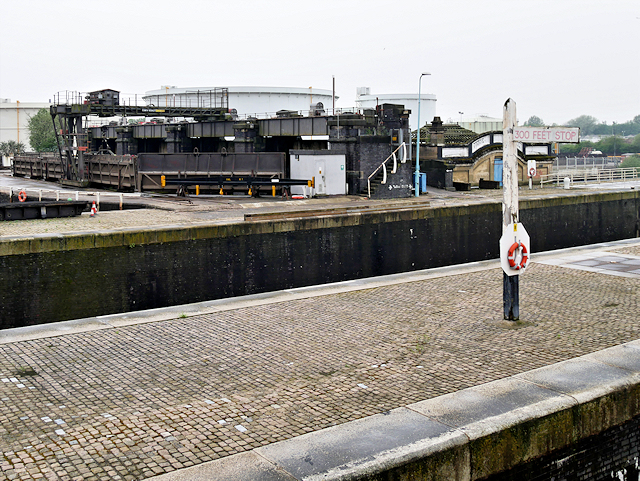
[
  {"x": 587, "y": 124},
  {"x": 42, "y": 135},
  {"x": 11, "y": 148},
  {"x": 633, "y": 161},
  {"x": 534, "y": 121}
]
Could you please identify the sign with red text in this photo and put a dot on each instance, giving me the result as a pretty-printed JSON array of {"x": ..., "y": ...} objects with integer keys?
[{"x": 543, "y": 135}]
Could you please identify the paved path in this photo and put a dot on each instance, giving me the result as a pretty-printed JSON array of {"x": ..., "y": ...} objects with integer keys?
[{"x": 133, "y": 396}]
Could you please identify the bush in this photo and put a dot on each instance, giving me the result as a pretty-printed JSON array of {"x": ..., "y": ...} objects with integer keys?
[{"x": 633, "y": 161}]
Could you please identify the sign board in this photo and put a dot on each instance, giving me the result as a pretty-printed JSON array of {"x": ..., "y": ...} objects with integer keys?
[
  {"x": 543, "y": 135},
  {"x": 515, "y": 249},
  {"x": 531, "y": 168}
]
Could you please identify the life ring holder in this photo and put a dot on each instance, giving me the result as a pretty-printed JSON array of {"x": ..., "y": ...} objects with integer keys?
[
  {"x": 511, "y": 257},
  {"x": 22, "y": 196}
]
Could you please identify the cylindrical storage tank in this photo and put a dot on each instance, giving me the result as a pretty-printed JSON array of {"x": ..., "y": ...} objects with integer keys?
[
  {"x": 260, "y": 102},
  {"x": 410, "y": 101}
]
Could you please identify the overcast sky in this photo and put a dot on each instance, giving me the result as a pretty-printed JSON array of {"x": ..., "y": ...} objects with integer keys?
[{"x": 556, "y": 58}]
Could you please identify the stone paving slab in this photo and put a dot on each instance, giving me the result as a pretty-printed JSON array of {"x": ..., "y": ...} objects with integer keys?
[{"x": 134, "y": 401}]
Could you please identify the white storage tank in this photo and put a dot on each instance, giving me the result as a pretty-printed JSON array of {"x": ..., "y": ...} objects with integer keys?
[
  {"x": 260, "y": 102},
  {"x": 366, "y": 100}
]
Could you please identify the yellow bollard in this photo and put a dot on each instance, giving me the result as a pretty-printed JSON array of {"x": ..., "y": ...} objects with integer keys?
[
  {"x": 273, "y": 190},
  {"x": 163, "y": 181},
  {"x": 197, "y": 190}
]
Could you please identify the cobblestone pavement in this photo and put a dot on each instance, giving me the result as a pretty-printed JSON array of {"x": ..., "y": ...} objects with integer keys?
[{"x": 132, "y": 402}]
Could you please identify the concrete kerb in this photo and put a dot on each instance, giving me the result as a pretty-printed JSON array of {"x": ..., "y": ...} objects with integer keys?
[{"x": 469, "y": 434}]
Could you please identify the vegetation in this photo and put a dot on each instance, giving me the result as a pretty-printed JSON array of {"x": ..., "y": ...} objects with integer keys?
[
  {"x": 42, "y": 135},
  {"x": 633, "y": 161},
  {"x": 11, "y": 148},
  {"x": 612, "y": 145},
  {"x": 534, "y": 121},
  {"x": 590, "y": 126}
]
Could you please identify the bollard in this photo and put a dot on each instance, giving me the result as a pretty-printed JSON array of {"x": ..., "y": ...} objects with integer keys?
[
  {"x": 10, "y": 194},
  {"x": 567, "y": 183},
  {"x": 57, "y": 195},
  {"x": 77, "y": 195},
  {"x": 120, "y": 201},
  {"x": 39, "y": 195}
]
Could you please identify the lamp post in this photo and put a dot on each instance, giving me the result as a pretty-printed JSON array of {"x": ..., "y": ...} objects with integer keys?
[{"x": 417, "y": 174}]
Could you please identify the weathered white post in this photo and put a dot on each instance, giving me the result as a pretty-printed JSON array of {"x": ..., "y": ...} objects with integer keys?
[{"x": 510, "y": 213}]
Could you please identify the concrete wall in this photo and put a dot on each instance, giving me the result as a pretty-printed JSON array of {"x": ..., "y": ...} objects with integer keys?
[
  {"x": 50, "y": 278},
  {"x": 14, "y": 121}
]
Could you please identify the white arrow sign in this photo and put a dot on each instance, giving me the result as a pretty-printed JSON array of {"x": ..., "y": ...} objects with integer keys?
[{"x": 543, "y": 135}]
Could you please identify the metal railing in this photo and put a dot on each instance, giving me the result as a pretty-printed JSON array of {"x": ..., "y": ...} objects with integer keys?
[
  {"x": 591, "y": 176},
  {"x": 66, "y": 194},
  {"x": 383, "y": 166},
  {"x": 573, "y": 163}
]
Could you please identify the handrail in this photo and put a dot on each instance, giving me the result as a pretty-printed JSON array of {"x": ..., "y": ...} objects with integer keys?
[
  {"x": 592, "y": 175},
  {"x": 76, "y": 194},
  {"x": 402, "y": 146}
]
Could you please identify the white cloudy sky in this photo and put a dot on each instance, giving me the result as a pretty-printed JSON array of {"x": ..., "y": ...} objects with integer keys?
[{"x": 556, "y": 58}]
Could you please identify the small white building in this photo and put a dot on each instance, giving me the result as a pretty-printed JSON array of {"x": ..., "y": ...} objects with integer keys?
[
  {"x": 260, "y": 102},
  {"x": 14, "y": 120},
  {"x": 481, "y": 124},
  {"x": 366, "y": 100}
]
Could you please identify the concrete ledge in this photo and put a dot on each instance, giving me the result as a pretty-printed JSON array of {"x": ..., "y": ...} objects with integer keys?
[{"x": 466, "y": 435}]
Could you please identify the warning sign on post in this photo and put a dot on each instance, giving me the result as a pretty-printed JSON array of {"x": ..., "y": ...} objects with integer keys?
[{"x": 544, "y": 135}]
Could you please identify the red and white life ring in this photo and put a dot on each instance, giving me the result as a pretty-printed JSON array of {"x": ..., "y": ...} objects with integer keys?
[
  {"x": 511, "y": 257},
  {"x": 532, "y": 172},
  {"x": 22, "y": 196}
]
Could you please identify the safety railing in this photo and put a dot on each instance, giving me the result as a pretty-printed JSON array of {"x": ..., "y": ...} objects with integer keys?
[
  {"x": 383, "y": 166},
  {"x": 591, "y": 176},
  {"x": 66, "y": 194}
]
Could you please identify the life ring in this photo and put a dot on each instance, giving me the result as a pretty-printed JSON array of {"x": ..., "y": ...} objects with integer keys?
[
  {"x": 22, "y": 196},
  {"x": 511, "y": 257},
  {"x": 532, "y": 172}
]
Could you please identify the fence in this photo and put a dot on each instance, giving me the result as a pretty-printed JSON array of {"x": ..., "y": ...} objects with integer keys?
[{"x": 594, "y": 175}]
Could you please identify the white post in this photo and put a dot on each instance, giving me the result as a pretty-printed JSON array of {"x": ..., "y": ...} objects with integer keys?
[
  {"x": 510, "y": 214},
  {"x": 510, "y": 167}
]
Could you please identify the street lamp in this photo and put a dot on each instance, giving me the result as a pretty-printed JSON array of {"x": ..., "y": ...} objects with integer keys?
[{"x": 417, "y": 174}]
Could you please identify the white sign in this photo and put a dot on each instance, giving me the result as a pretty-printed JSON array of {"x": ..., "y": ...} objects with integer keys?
[
  {"x": 515, "y": 250},
  {"x": 531, "y": 168},
  {"x": 531, "y": 135}
]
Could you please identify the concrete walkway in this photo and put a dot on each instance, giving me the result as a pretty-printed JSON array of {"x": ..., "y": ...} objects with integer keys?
[{"x": 143, "y": 394}]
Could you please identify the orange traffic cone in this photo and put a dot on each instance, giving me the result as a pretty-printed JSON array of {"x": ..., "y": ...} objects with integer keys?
[{"x": 94, "y": 211}]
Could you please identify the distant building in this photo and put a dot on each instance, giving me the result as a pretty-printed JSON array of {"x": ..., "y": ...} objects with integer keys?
[
  {"x": 364, "y": 99},
  {"x": 481, "y": 124},
  {"x": 14, "y": 120}
]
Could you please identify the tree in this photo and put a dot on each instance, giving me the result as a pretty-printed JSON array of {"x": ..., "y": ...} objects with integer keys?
[
  {"x": 42, "y": 136},
  {"x": 633, "y": 161},
  {"x": 534, "y": 121},
  {"x": 11, "y": 148},
  {"x": 587, "y": 124}
]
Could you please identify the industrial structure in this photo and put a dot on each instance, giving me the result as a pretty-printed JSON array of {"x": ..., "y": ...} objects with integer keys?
[{"x": 206, "y": 145}]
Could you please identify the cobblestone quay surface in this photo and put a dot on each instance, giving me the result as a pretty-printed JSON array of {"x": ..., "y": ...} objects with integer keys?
[{"x": 133, "y": 401}]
